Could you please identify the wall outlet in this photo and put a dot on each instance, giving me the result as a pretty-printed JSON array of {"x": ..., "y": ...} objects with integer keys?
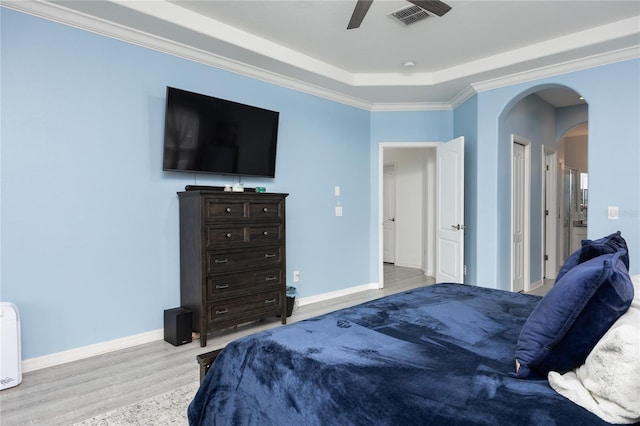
[{"x": 296, "y": 276}]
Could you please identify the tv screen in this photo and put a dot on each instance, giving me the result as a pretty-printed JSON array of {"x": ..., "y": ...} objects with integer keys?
[{"x": 203, "y": 134}]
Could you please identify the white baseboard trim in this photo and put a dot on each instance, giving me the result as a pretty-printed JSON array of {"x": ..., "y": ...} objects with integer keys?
[
  {"x": 51, "y": 360},
  {"x": 338, "y": 293},
  {"x": 535, "y": 285},
  {"x": 409, "y": 265},
  {"x": 76, "y": 354}
]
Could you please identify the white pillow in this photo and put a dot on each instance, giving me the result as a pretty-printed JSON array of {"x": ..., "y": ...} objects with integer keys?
[{"x": 608, "y": 383}]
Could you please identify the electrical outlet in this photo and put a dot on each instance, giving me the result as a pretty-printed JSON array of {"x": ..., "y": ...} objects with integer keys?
[{"x": 296, "y": 276}]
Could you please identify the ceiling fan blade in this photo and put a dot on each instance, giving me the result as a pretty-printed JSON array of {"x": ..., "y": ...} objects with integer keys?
[
  {"x": 358, "y": 13},
  {"x": 434, "y": 6}
]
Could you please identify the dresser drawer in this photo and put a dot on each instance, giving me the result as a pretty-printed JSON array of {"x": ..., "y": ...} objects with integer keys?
[
  {"x": 265, "y": 233},
  {"x": 247, "y": 307},
  {"x": 236, "y": 284},
  {"x": 234, "y": 260},
  {"x": 219, "y": 236},
  {"x": 224, "y": 209},
  {"x": 265, "y": 209}
]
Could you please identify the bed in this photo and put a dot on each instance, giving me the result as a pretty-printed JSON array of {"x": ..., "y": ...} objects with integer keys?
[{"x": 439, "y": 354}]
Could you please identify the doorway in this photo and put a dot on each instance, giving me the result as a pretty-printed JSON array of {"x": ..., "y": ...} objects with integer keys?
[
  {"x": 416, "y": 193},
  {"x": 407, "y": 200},
  {"x": 543, "y": 117},
  {"x": 574, "y": 189}
]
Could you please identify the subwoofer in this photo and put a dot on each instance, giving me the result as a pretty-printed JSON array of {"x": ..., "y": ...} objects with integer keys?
[{"x": 177, "y": 326}]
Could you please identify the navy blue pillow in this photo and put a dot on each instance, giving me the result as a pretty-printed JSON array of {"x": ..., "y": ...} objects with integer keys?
[
  {"x": 567, "y": 323},
  {"x": 594, "y": 248}
]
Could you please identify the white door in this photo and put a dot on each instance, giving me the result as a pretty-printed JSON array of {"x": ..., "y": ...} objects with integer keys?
[
  {"x": 389, "y": 214},
  {"x": 450, "y": 211},
  {"x": 518, "y": 197}
]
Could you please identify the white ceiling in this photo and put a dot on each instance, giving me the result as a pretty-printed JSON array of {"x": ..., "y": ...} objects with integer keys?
[{"x": 304, "y": 44}]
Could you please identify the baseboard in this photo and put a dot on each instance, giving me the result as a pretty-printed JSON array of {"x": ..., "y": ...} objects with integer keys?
[
  {"x": 76, "y": 354},
  {"x": 535, "y": 285},
  {"x": 338, "y": 293},
  {"x": 408, "y": 265},
  {"x": 33, "y": 364}
]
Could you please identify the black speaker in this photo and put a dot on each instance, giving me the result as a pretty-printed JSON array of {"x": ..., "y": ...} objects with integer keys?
[{"x": 177, "y": 326}]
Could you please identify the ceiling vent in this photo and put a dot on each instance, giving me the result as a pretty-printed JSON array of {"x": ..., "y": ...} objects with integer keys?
[{"x": 409, "y": 15}]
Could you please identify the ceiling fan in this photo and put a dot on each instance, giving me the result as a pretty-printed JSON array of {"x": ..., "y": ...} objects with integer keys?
[{"x": 362, "y": 6}]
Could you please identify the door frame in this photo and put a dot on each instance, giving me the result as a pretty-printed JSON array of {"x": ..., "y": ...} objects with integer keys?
[
  {"x": 381, "y": 148},
  {"x": 550, "y": 219},
  {"x": 526, "y": 267}
]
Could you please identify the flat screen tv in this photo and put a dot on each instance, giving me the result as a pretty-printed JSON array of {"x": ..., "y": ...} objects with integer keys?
[{"x": 204, "y": 134}]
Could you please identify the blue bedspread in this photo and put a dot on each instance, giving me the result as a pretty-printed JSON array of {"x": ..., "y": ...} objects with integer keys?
[{"x": 437, "y": 355}]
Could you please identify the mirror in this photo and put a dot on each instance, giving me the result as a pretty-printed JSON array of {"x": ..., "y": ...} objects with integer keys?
[{"x": 584, "y": 193}]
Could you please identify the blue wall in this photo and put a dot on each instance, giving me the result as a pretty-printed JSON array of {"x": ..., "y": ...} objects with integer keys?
[
  {"x": 90, "y": 221},
  {"x": 613, "y": 95}
]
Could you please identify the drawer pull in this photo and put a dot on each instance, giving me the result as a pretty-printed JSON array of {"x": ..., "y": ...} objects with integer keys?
[
  {"x": 271, "y": 278},
  {"x": 222, "y": 312},
  {"x": 268, "y": 255},
  {"x": 265, "y": 233},
  {"x": 222, "y": 286},
  {"x": 221, "y": 260},
  {"x": 265, "y": 209},
  {"x": 270, "y": 301},
  {"x": 228, "y": 235},
  {"x": 228, "y": 209}
]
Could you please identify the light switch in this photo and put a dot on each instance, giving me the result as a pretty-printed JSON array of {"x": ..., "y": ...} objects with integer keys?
[
  {"x": 612, "y": 212},
  {"x": 337, "y": 191}
]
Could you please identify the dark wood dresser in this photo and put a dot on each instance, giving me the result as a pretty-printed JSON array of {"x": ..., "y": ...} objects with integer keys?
[{"x": 232, "y": 258}]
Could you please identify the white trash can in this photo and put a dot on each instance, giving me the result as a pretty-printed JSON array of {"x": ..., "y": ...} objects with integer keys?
[{"x": 10, "y": 351}]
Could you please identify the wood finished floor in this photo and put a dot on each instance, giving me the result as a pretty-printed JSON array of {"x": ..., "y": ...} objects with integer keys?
[{"x": 75, "y": 391}]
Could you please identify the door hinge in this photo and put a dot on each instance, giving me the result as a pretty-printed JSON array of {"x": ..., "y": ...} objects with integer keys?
[
  {"x": 546, "y": 257},
  {"x": 546, "y": 212}
]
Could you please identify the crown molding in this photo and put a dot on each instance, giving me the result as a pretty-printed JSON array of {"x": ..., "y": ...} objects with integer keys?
[
  {"x": 463, "y": 96},
  {"x": 559, "y": 69},
  {"x": 410, "y": 106},
  {"x": 546, "y": 72},
  {"x": 58, "y": 13}
]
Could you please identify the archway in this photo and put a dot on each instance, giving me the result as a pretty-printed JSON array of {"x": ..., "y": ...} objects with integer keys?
[{"x": 540, "y": 115}]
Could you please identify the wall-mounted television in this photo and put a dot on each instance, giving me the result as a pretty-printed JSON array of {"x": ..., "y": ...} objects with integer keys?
[{"x": 204, "y": 134}]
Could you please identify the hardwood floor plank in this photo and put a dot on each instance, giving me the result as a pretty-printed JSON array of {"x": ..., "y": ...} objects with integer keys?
[{"x": 78, "y": 390}]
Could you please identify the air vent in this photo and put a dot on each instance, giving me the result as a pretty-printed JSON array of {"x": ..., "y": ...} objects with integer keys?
[{"x": 409, "y": 15}]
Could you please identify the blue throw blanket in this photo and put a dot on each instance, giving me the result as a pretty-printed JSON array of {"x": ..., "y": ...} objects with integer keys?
[{"x": 437, "y": 355}]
